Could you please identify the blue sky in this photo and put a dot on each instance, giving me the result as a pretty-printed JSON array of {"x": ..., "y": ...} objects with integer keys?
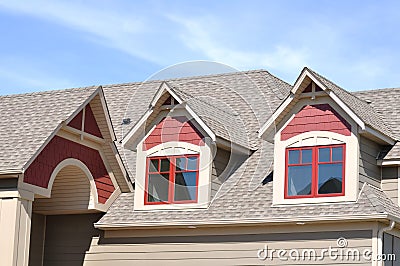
[{"x": 62, "y": 44}]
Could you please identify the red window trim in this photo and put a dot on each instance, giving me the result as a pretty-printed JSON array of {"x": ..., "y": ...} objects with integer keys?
[
  {"x": 171, "y": 183},
  {"x": 314, "y": 163}
]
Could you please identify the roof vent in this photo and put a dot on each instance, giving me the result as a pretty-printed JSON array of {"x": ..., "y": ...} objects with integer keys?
[
  {"x": 368, "y": 101},
  {"x": 126, "y": 121}
]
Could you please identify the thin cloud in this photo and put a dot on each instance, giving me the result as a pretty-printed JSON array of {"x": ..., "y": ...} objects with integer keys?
[
  {"x": 197, "y": 35},
  {"x": 104, "y": 26}
]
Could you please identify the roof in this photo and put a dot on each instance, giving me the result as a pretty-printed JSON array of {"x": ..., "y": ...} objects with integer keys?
[
  {"x": 28, "y": 120},
  {"x": 244, "y": 200},
  {"x": 386, "y": 103},
  {"x": 360, "y": 107},
  {"x": 224, "y": 102},
  {"x": 205, "y": 94}
]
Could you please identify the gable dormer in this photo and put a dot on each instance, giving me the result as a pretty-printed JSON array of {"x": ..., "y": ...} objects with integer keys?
[
  {"x": 316, "y": 133},
  {"x": 180, "y": 161}
]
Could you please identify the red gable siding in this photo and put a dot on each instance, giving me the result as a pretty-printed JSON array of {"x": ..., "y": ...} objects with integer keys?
[
  {"x": 91, "y": 126},
  {"x": 59, "y": 149},
  {"x": 76, "y": 122},
  {"x": 173, "y": 129},
  {"x": 320, "y": 117}
]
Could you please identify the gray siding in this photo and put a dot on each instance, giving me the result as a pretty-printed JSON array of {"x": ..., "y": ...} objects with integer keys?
[
  {"x": 224, "y": 164},
  {"x": 219, "y": 165},
  {"x": 68, "y": 237},
  {"x": 234, "y": 249},
  {"x": 37, "y": 240},
  {"x": 369, "y": 170},
  {"x": 390, "y": 183}
]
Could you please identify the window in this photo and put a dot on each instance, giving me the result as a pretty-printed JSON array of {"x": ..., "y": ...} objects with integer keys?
[
  {"x": 315, "y": 171},
  {"x": 172, "y": 179},
  {"x": 391, "y": 250}
]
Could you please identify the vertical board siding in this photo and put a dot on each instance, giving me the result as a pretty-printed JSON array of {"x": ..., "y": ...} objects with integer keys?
[
  {"x": 369, "y": 171},
  {"x": 71, "y": 192},
  {"x": 237, "y": 249},
  {"x": 316, "y": 117},
  {"x": 68, "y": 237}
]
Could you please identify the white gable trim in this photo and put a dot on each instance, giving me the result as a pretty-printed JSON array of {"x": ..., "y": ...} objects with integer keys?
[
  {"x": 270, "y": 122},
  {"x": 88, "y": 100},
  {"x": 275, "y": 115},
  {"x": 164, "y": 87},
  {"x": 347, "y": 110}
]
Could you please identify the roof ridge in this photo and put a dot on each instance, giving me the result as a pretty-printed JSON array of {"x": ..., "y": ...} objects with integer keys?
[
  {"x": 379, "y": 89},
  {"x": 49, "y": 91},
  {"x": 194, "y": 77}
]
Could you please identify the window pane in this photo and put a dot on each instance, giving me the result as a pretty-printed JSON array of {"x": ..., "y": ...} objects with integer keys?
[
  {"x": 192, "y": 163},
  {"x": 324, "y": 155},
  {"x": 158, "y": 188},
  {"x": 153, "y": 165},
  {"x": 306, "y": 156},
  {"x": 337, "y": 154},
  {"x": 164, "y": 165},
  {"x": 330, "y": 178},
  {"x": 180, "y": 164},
  {"x": 185, "y": 186},
  {"x": 299, "y": 180},
  {"x": 294, "y": 156},
  {"x": 387, "y": 246}
]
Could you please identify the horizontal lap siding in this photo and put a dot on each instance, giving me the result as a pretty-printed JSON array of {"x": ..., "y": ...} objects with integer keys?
[
  {"x": 390, "y": 183},
  {"x": 218, "y": 249},
  {"x": 220, "y": 162},
  {"x": 71, "y": 191},
  {"x": 370, "y": 172}
]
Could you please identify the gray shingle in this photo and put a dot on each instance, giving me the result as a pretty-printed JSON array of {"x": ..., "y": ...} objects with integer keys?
[
  {"x": 241, "y": 199},
  {"x": 361, "y": 108},
  {"x": 386, "y": 104},
  {"x": 27, "y": 120}
]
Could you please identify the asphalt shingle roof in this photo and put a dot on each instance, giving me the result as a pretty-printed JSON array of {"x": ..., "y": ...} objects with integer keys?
[
  {"x": 226, "y": 103},
  {"x": 245, "y": 200},
  {"x": 360, "y": 107},
  {"x": 27, "y": 120},
  {"x": 386, "y": 104}
]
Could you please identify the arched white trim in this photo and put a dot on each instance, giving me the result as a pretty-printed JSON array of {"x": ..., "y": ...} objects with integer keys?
[
  {"x": 75, "y": 162},
  {"x": 315, "y": 138}
]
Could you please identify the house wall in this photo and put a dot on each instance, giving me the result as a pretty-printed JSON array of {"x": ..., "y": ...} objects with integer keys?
[
  {"x": 70, "y": 193},
  {"x": 36, "y": 248},
  {"x": 390, "y": 183},
  {"x": 68, "y": 237},
  {"x": 369, "y": 170},
  {"x": 58, "y": 149},
  {"x": 219, "y": 165},
  {"x": 224, "y": 164},
  {"x": 227, "y": 246},
  {"x": 316, "y": 138}
]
